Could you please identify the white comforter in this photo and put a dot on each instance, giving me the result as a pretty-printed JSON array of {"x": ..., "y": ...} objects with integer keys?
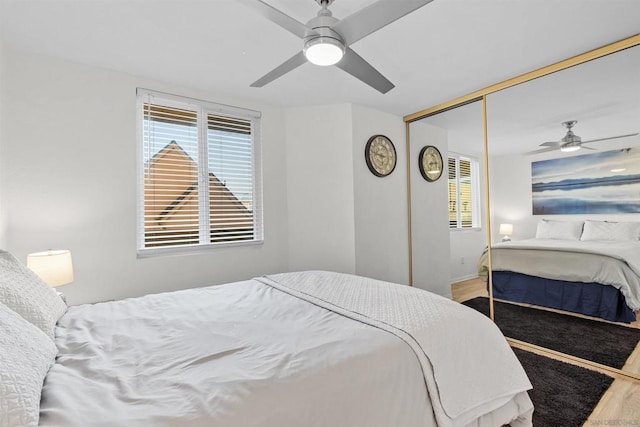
[
  {"x": 608, "y": 263},
  {"x": 248, "y": 354}
]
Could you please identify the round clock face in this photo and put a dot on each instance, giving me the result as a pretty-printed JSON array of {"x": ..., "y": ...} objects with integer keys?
[
  {"x": 380, "y": 155},
  {"x": 430, "y": 161}
]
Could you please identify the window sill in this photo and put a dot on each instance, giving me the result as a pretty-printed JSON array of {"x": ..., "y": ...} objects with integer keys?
[
  {"x": 462, "y": 230},
  {"x": 191, "y": 250}
]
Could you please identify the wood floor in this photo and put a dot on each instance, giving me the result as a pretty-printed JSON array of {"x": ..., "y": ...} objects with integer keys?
[{"x": 620, "y": 405}]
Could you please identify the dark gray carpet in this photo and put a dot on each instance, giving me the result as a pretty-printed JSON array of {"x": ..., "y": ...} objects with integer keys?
[
  {"x": 563, "y": 394},
  {"x": 600, "y": 342}
]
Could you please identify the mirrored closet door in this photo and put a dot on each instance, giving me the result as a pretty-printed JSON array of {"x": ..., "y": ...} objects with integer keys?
[
  {"x": 447, "y": 190},
  {"x": 562, "y": 209},
  {"x": 564, "y": 173}
]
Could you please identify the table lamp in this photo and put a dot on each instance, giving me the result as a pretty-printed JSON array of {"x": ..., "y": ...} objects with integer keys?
[
  {"x": 506, "y": 230},
  {"x": 54, "y": 267}
]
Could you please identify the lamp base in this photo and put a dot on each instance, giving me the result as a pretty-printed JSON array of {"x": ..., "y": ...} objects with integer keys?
[{"x": 506, "y": 239}]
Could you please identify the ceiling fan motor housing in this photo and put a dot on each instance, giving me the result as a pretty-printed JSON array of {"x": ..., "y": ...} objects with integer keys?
[
  {"x": 320, "y": 26},
  {"x": 571, "y": 141},
  {"x": 320, "y": 32},
  {"x": 571, "y": 137}
]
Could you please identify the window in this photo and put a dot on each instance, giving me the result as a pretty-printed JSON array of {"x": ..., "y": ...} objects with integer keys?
[
  {"x": 464, "y": 192},
  {"x": 199, "y": 175}
]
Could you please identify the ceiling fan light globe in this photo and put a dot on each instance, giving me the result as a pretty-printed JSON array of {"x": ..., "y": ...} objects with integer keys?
[
  {"x": 569, "y": 148},
  {"x": 324, "y": 51}
]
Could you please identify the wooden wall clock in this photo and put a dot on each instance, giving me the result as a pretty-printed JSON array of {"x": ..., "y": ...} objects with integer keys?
[
  {"x": 430, "y": 163},
  {"x": 380, "y": 155}
]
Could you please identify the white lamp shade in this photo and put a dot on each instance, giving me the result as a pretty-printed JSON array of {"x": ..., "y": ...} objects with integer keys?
[
  {"x": 506, "y": 229},
  {"x": 53, "y": 267}
]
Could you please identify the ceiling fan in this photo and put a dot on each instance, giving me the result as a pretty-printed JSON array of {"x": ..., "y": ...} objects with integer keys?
[
  {"x": 327, "y": 39},
  {"x": 571, "y": 141}
]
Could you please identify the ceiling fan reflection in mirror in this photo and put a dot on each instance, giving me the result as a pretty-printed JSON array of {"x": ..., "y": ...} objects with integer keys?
[
  {"x": 571, "y": 141},
  {"x": 327, "y": 39}
]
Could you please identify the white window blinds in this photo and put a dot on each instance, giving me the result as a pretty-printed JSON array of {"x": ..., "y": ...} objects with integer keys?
[
  {"x": 464, "y": 197},
  {"x": 231, "y": 186},
  {"x": 200, "y": 181},
  {"x": 453, "y": 193}
]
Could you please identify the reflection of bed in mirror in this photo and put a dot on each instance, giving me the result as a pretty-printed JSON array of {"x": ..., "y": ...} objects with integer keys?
[{"x": 586, "y": 267}]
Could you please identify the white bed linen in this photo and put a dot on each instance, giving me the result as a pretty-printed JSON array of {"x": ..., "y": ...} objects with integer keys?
[
  {"x": 605, "y": 262},
  {"x": 241, "y": 354},
  {"x": 24, "y": 292},
  {"x": 26, "y": 353},
  {"x": 435, "y": 328}
]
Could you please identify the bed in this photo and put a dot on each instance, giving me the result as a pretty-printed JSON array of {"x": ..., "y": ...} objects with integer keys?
[
  {"x": 294, "y": 349},
  {"x": 591, "y": 268}
]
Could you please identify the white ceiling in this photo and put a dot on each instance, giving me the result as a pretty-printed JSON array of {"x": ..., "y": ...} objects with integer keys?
[
  {"x": 446, "y": 49},
  {"x": 602, "y": 95}
]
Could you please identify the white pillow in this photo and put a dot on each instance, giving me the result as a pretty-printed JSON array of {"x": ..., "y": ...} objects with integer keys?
[
  {"x": 611, "y": 231},
  {"x": 561, "y": 230},
  {"x": 26, "y": 354},
  {"x": 25, "y": 293}
]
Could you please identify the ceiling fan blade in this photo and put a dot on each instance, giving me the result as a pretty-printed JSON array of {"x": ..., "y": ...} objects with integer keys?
[
  {"x": 355, "y": 65},
  {"x": 611, "y": 137},
  {"x": 275, "y": 16},
  {"x": 587, "y": 148},
  {"x": 543, "y": 150},
  {"x": 373, "y": 17},
  {"x": 294, "y": 62},
  {"x": 550, "y": 144}
]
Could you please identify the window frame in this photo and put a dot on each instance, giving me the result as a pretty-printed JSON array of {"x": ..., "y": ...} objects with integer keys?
[
  {"x": 476, "y": 212},
  {"x": 203, "y": 108}
]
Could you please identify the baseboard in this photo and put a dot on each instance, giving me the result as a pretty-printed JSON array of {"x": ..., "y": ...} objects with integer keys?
[{"x": 463, "y": 278}]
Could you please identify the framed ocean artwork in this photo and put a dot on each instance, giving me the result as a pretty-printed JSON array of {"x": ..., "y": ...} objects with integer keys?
[{"x": 605, "y": 182}]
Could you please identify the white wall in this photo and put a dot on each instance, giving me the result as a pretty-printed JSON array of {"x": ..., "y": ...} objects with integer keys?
[
  {"x": 319, "y": 165},
  {"x": 69, "y": 149},
  {"x": 510, "y": 191},
  {"x": 70, "y": 136},
  {"x": 381, "y": 238},
  {"x": 341, "y": 216},
  {"x": 429, "y": 216}
]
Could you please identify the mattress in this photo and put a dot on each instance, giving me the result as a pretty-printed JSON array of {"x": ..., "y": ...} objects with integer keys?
[{"x": 250, "y": 354}]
